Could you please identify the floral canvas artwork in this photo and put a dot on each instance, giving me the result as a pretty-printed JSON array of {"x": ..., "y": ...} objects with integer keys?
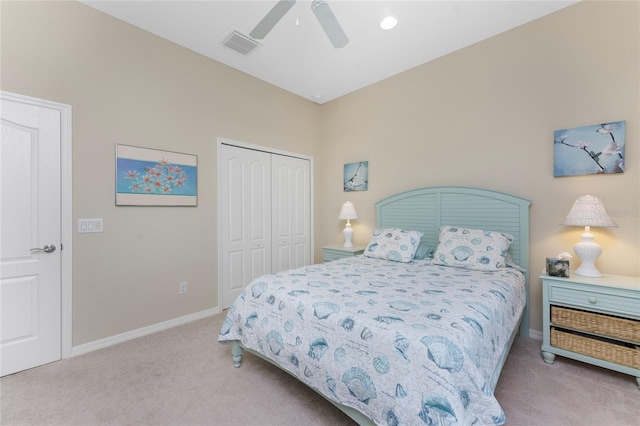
[
  {"x": 596, "y": 149},
  {"x": 151, "y": 177},
  {"x": 356, "y": 176}
]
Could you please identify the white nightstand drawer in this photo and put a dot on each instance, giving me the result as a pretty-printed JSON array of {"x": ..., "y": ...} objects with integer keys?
[{"x": 594, "y": 300}]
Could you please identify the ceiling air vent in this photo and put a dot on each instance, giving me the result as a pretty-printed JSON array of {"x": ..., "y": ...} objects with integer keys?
[{"x": 240, "y": 42}]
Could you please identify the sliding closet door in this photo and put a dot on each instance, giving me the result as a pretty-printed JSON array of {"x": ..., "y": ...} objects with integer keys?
[
  {"x": 245, "y": 206},
  {"x": 291, "y": 204}
]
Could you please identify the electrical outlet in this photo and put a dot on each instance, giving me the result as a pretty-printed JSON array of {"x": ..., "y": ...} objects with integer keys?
[{"x": 182, "y": 287}]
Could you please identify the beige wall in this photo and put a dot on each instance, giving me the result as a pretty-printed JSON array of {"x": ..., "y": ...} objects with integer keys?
[
  {"x": 127, "y": 86},
  {"x": 483, "y": 116}
]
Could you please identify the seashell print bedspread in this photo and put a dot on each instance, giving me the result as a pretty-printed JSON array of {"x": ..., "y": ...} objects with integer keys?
[{"x": 403, "y": 343}]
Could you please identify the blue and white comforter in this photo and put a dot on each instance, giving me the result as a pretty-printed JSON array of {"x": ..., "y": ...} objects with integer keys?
[{"x": 403, "y": 343}]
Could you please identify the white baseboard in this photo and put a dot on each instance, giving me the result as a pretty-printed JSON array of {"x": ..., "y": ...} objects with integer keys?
[
  {"x": 535, "y": 334},
  {"x": 133, "y": 334}
]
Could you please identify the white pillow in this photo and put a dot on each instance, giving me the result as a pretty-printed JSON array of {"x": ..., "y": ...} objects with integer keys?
[
  {"x": 393, "y": 244},
  {"x": 472, "y": 248}
]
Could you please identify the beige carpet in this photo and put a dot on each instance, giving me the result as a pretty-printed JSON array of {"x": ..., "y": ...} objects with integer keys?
[{"x": 182, "y": 376}]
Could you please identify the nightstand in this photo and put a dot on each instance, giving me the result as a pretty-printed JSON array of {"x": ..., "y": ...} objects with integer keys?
[
  {"x": 594, "y": 320},
  {"x": 337, "y": 251}
]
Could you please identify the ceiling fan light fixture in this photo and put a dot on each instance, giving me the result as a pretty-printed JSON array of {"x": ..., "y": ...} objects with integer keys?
[{"x": 388, "y": 22}]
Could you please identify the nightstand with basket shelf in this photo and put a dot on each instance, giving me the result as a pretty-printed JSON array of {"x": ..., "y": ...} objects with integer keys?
[{"x": 594, "y": 320}]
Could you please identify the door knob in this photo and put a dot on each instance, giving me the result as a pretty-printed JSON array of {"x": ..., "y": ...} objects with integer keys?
[{"x": 49, "y": 248}]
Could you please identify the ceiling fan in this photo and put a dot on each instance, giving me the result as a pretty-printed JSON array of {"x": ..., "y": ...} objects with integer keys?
[{"x": 320, "y": 8}]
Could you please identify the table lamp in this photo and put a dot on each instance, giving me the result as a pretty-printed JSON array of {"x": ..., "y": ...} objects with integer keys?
[
  {"x": 348, "y": 212},
  {"x": 588, "y": 211}
]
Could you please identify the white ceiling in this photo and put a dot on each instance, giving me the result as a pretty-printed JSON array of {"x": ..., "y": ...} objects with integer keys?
[{"x": 297, "y": 55}]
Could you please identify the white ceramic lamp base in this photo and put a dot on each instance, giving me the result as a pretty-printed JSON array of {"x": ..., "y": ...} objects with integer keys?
[
  {"x": 588, "y": 251},
  {"x": 348, "y": 234}
]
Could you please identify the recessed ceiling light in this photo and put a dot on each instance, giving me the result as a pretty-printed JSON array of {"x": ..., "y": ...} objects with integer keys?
[{"x": 388, "y": 22}]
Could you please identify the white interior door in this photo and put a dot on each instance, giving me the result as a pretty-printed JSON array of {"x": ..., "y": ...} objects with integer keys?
[
  {"x": 291, "y": 203},
  {"x": 30, "y": 213},
  {"x": 245, "y": 208}
]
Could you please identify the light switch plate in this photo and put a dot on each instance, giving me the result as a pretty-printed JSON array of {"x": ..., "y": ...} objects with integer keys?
[{"x": 90, "y": 225}]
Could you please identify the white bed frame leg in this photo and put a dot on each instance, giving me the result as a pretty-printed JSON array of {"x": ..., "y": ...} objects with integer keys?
[{"x": 236, "y": 351}]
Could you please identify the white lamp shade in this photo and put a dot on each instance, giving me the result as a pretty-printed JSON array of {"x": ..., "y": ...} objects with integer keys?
[
  {"x": 348, "y": 211},
  {"x": 588, "y": 211}
]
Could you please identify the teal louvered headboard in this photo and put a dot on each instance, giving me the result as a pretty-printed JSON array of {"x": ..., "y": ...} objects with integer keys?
[{"x": 427, "y": 209}]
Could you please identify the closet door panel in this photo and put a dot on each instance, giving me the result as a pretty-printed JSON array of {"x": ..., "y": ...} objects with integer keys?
[
  {"x": 246, "y": 217},
  {"x": 291, "y": 194}
]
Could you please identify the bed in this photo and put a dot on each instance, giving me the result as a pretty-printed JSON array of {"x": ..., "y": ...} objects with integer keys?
[{"x": 402, "y": 341}]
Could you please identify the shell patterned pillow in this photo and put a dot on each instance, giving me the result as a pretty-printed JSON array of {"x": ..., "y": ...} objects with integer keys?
[
  {"x": 393, "y": 244},
  {"x": 472, "y": 248}
]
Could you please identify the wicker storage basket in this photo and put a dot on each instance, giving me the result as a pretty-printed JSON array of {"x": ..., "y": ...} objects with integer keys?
[
  {"x": 616, "y": 353},
  {"x": 604, "y": 325}
]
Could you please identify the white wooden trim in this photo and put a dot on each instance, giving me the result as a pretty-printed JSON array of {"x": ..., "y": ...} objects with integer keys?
[
  {"x": 66, "y": 206},
  {"x": 66, "y": 177},
  {"x": 224, "y": 141},
  {"x": 140, "y": 332},
  {"x": 535, "y": 334}
]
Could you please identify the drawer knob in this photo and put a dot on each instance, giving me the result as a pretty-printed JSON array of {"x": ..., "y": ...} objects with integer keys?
[{"x": 593, "y": 300}]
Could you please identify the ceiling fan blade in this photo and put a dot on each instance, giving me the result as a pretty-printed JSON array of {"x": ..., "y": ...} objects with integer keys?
[
  {"x": 329, "y": 23},
  {"x": 271, "y": 19}
]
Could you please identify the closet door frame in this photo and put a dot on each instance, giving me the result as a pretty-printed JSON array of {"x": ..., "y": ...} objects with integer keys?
[{"x": 245, "y": 145}]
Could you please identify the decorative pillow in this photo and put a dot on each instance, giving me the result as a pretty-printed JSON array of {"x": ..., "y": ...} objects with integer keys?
[
  {"x": 393, "y": 244},
  {"x": 472, "y": 248},
  {"x": 423, "y": 251}
]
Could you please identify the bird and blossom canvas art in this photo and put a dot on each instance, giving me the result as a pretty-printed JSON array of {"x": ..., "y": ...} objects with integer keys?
[
  {"x": 356, "y": 176},
  {"x": 595, "y": 149},
  {"x": 152, "y": 177}
]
